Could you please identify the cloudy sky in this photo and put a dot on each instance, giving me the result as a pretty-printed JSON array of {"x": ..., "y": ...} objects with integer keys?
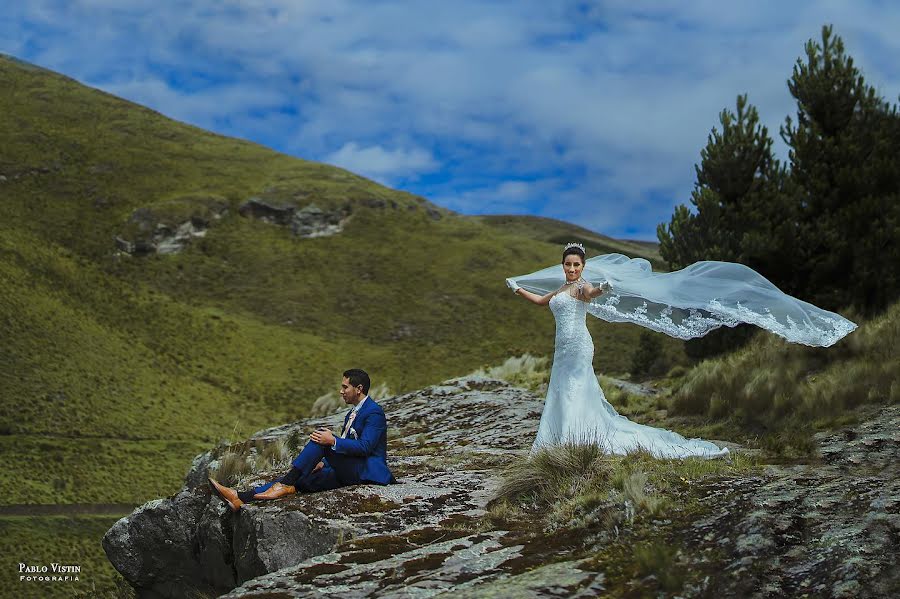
[{"x": 590, "y": 112}]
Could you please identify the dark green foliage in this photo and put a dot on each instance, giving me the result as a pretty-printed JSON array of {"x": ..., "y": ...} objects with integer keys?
[
  {"x": 742, "y": 214},
  {"x": 826, "y": 229},
  {"x": 845, "y": 161},
  {"x": 785, "y": 390},
  {"x": 647, "y": 358},
  {"x": 737, "y": 198}
]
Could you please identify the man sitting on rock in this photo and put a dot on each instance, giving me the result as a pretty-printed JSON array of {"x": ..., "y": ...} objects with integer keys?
[{"x": 358, "y": 455}]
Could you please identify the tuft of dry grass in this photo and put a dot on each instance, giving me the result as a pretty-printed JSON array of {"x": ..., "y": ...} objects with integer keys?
[
  {"x": 553, "y": 473},
  {"x": 775, "y": 385},
  {"x": 231, "y": 467},
  {"x": 272, "y": 455},
  {"x": 525, "y": 371},
  {"x": 577, "y": 485},
  {"x": 331, "y": 402}
]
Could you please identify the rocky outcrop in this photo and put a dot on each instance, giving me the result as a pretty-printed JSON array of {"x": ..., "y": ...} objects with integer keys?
[
  {"x": 445, "y": 443},
  {"x": 828, "y": 527},
  {"x": 169, "y": 227},
  {"x": 156, "y": 547},
  {"x": 308, "y": 221}
]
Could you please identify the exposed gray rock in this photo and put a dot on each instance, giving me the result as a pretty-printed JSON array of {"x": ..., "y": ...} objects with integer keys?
[
  {"x": 169, "y": 241},
  {"x": 269, "y": 538},
  {"x": 633, "y": 388},
  {"x": 152, "y": 236},
  {"x": 199, "y": 471},
  {"x": 312, "y": 221},
  {"x": 267, "y": 212},
  {"x": 169, "y": 527},
  {"x": 826, "y": 528},
  {"x": 829, "y": 529},
  {"x": 306, "y": 222}
]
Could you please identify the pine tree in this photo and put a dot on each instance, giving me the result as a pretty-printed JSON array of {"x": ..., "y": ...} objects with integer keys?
[
  {"x": 826, "y": 229},
  {"x": 738, "y": 197},
  {"x": 845, "y": 161}
]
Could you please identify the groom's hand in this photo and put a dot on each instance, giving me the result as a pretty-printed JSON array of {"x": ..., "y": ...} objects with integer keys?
[{"x": 322, "y": 437}]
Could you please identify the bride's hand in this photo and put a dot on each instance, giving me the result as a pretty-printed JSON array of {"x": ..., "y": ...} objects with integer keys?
[{"x": 512, "y": 285}]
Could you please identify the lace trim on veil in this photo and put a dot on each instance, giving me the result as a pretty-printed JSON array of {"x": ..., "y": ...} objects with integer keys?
[{"x": 691, "y": 302}]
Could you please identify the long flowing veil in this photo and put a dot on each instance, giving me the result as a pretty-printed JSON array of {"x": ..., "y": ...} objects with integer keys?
[{"x": 691, "y": 302}]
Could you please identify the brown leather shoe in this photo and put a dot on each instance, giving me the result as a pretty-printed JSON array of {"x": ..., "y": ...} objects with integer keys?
[
  {"x": 228, "y": 494},
  {"x": 275, "y": 491}
]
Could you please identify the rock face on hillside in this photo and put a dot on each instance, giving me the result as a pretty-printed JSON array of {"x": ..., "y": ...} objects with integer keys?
[
  {"x": 169, "y": 227},
  {"x": 307, "y": 221},
  {"x": 828, "y": 528}
]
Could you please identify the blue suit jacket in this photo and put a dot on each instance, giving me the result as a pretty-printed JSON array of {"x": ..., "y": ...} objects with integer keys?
[{"x": 362, "y": 455}]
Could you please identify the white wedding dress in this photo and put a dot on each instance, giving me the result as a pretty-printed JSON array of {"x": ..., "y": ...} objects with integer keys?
[{"x": 576, "y": 409}]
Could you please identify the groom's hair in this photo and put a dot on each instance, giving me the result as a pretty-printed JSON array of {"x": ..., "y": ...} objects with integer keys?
[{"x": 356, "y": 377}]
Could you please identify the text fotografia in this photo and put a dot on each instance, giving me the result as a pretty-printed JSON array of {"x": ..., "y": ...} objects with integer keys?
[{"x": 53, "y": 573}]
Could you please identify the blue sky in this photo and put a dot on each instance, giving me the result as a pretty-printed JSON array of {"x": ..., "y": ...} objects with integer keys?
[{"x": 590, "y": 112}]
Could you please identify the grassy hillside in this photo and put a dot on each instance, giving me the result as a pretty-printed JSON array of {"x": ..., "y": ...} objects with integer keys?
[
  {"x": 118, "y": 369},
  {"x": 246, "y": 326},
  {"x": 782, "y": 393},
  {"x": 559, "y": 232}
]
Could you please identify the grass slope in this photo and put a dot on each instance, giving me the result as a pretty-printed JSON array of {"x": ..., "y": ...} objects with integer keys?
[
  {"x": 66, "y": 540},
  {"x": 249, "y": 324},
  {"x": 560, "y": 232},
  {"x": 118, "y": 370}
]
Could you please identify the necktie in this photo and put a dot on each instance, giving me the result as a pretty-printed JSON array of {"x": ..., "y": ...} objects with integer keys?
[{"x": 349, "y": 423}]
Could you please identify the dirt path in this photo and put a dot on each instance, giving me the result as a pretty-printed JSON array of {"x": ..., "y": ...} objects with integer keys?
[{"x": 68, "y": 509}]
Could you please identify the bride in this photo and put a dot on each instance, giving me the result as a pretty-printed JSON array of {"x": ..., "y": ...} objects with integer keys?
[{"x": 684, "y": 304}]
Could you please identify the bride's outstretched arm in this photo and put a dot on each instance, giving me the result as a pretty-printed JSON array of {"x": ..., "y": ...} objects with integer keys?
[{"x": 540, "y": 300}]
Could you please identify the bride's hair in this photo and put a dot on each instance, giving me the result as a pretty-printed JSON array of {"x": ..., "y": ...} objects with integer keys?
[{"x": 573, "y": 250}]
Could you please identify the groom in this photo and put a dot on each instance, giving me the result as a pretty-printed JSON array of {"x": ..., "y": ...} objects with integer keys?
[{"x": 357, "y": 455}]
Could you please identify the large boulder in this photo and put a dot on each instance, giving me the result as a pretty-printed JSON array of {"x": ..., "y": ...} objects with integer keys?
[
  {"x": 443, "y": 441},
  {"x": 155, "y": 548}
]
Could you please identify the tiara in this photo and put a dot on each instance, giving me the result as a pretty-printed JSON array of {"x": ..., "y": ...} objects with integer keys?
[{"x": 574, "y": 245}]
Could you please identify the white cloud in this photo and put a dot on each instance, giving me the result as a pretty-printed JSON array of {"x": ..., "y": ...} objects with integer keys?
[
  {"x": 381, "y": 164},
  {"x": 606, "y": 104}
]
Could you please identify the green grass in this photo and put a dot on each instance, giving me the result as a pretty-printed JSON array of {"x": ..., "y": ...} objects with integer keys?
[
  {"x": 69, "y": 540},
  {"x": 784, "y": 392},
  {"x": 118, "y": 369},
  {"x": 51, "y": 470},
  {"x": 577, "y": 486},
  {"x": 559, "y": 232}
]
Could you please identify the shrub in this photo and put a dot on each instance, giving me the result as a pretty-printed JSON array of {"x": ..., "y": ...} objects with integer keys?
[{"x": 648, "y": 356}]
